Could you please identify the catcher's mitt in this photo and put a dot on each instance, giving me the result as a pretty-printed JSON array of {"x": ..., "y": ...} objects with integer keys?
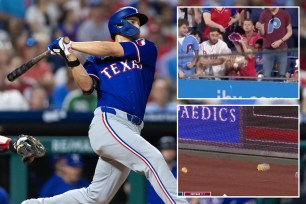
[{"x": 29, "y": 148}]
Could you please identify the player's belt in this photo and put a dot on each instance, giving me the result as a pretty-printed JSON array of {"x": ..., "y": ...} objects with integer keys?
[{"x": 133, "y": 118}]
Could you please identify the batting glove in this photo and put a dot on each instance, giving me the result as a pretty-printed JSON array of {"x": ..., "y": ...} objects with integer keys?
[{"x": 58, "y": 47}]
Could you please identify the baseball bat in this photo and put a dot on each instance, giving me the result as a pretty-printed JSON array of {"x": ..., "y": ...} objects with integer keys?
[{"x": 26, "y": 66}]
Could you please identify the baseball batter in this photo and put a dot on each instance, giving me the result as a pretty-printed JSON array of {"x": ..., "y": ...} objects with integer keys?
[{"x": 122, "y": 72}]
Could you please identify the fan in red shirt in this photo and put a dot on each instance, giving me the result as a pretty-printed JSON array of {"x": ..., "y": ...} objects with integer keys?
[
  {"x": 247, "y": 45},
  {"x": 220, "y": 18}
]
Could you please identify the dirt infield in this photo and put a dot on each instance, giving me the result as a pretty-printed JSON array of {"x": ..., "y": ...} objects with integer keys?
[{"x": 232, "y": 175}]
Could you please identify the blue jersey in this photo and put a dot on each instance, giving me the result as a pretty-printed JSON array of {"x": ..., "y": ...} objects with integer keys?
[
  {"x": 186, "y": 53},
  {"x": 56, "y": 185},
  {"x": 125, "y": 82}
]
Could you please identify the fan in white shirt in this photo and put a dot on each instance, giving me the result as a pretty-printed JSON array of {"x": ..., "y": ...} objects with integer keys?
[{"x": 213, "y": 63}]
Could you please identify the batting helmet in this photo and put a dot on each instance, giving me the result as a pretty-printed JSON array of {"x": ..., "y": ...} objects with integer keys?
[{"x": 118, "y": 25}]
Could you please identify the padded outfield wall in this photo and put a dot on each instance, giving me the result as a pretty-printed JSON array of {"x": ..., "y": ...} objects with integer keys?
[{"x": 255, "y": 130}]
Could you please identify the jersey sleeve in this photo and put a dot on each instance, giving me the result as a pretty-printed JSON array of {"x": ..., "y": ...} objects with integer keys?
[
  {"x": 90, "y": 67},
  {"x": 141, "y": 50},
  {"x": 261, "y": 17},
  {"x": 288, "y": 19},
  {"x": 4, "y": 142},
  {"x": 195, "y": 44},
  {"x": 225, "y": 49},
  {"x": 201, "y": 49}
]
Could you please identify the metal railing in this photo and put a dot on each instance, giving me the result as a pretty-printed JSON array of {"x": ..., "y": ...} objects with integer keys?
[{"x": 278, "y": 79}]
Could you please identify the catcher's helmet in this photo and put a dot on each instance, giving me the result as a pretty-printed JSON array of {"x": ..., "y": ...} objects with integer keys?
[{"x": 118, "y": 25}]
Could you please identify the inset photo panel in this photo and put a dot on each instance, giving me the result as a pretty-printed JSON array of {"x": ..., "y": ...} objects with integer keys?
[
  {"x": 238, "y": 52},
  {"x": 238, "y": 151}
]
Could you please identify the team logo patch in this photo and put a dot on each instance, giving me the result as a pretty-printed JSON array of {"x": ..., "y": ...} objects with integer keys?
[
  {"x": 141, "y": 42},
  {"x": 189, "y": 47}
]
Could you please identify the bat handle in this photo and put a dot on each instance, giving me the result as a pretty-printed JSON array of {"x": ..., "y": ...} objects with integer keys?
[{"x": 66, "y": 40}]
